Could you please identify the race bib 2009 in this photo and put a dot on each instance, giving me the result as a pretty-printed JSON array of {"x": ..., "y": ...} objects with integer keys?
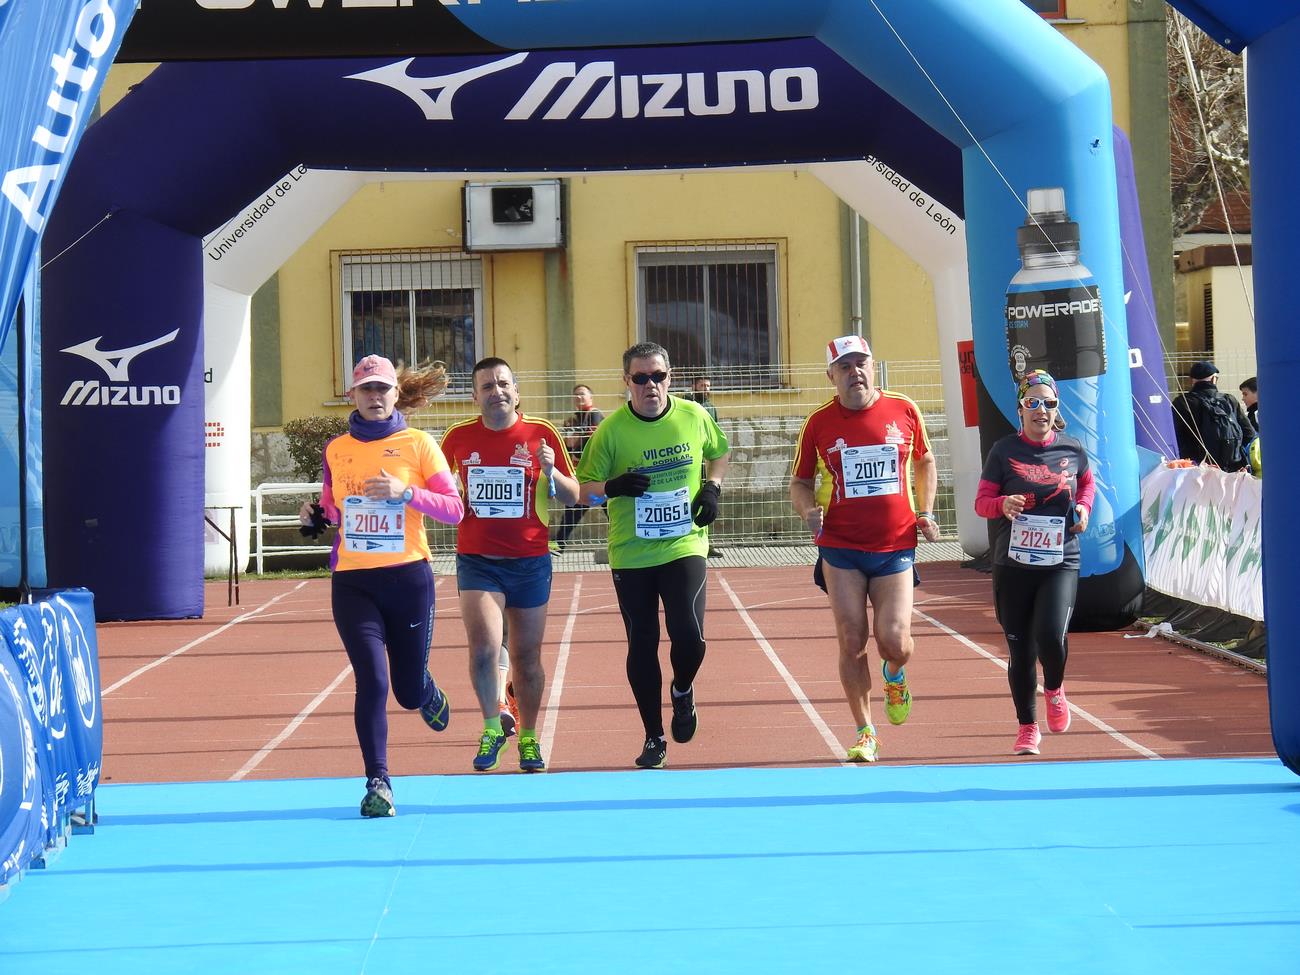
[{"x": 496, "y": 492}]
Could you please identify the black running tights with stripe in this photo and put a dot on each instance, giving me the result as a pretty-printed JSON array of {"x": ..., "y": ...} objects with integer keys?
[
  {"x": 385, "y": 619},
  {"x": 1034, "y": 608},
  {"x": 680, "y": 585}
]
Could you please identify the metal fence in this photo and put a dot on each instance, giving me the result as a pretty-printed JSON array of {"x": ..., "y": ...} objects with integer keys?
[{"x": 762, "y": 423}]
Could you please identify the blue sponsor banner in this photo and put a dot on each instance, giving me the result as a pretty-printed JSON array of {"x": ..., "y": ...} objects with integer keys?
[
  {"x": 54, "y": 55},
  {"x": 20, "y": 406},
  {"x": 22, "y": 835},
  {"x": 621, "y": 109},
  {"x": 51, "y": 723}
]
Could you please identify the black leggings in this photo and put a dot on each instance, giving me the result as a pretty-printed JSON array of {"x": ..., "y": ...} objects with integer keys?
[
  {"x": 385, "y": 620},
  {"x": 1034, "y": 607},
  {"x": 680, "y": 584}
]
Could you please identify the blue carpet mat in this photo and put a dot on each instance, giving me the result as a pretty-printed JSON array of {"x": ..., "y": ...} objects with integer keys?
[{"x": 1144, "y": 867}]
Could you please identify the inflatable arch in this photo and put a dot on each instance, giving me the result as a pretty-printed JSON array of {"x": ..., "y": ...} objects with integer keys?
[
  {"x": 182, "y": 179},
  {"x": 1024, "y": 108}
]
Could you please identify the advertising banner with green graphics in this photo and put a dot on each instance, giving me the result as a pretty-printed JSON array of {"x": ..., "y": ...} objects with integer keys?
[{"x": 1201, "y": 529}]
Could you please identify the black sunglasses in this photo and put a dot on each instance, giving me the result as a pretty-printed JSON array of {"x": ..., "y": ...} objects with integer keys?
[{"x": 641, "y": 378}]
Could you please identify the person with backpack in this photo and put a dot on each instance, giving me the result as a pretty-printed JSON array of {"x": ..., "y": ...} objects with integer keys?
[{"x": 1211, "y": 425}]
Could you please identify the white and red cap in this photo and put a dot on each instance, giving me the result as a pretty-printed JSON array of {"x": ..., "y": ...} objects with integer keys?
[
  {"x": 374, "y": 369},
  {"x": 846, "y": 345}
]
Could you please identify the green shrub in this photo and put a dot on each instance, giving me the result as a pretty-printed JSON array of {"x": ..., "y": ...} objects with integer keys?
[{"x": 307, "y": 437}]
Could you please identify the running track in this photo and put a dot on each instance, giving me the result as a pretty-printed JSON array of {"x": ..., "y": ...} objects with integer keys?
[{"x": 263, "y": 690}]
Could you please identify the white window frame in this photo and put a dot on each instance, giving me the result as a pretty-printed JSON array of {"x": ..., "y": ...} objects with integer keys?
[
  {"x": 409, "y": 270},
  {"x": 718, "y": 252}
]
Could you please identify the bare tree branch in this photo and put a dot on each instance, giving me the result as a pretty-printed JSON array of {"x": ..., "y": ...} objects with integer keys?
[{"x": 1217, "y": 132}]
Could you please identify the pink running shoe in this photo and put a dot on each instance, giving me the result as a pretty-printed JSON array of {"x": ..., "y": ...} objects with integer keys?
[
  {"x": 1058, "y": 710},
  {"x": 1027, "y": 740}
]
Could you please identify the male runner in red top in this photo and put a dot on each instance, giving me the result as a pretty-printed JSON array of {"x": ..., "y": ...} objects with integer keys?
[
  {"x": 869, "y": 441},
  {"x": 507, "y": 464}
]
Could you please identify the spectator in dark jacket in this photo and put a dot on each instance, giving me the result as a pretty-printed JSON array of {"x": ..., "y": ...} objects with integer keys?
[{"x": 1212, "y": 427}]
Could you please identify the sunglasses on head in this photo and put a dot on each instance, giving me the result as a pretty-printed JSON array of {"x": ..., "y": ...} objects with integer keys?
[
  {"x": 1033, "y": 403},
  {"x": 641, "y": 378}
]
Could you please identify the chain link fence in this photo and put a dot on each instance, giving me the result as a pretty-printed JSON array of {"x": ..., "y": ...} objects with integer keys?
[{"x": 761, "y": 420}]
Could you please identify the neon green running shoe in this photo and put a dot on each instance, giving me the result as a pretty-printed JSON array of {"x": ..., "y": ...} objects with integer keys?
[
  {"x": 867, "y": 748},
  {"x": 490, "y": 747},
  {"x": 898, "y": 699},
  {"x": 530, "y": 755}
]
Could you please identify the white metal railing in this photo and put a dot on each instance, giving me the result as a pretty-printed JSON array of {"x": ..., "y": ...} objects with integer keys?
[{"x": 263, "y": 520}]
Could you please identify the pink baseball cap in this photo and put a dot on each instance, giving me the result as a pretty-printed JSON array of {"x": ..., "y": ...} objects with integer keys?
[
  {"x": 846, "y": 345},
  {"x": 374, "y": 369}
]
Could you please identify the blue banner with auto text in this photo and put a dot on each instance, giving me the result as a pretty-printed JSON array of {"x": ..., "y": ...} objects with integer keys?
[
  {"x": 54, "y": 55},
  {"x": 51, "y": 722}
]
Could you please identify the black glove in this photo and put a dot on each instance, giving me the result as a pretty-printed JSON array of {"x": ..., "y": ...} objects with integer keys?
[
  {"x": 318, "y": 523},
  {"x": 633, "y": 484},
  {"x": 704, "y": 507}
]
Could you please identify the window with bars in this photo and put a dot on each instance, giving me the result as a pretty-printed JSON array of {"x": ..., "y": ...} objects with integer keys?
[
  {"x": 1051, "y": 9},
  {"x": 714, "y": 308},
  {"x": 413, "y": 306}
]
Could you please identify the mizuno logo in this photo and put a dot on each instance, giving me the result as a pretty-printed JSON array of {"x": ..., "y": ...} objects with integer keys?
[
  {"x": 116, "y": 364},
  {"x": 91, "y": 392},
  {"x": 417, "y": 89},
  {"x": 562, "y": 89},
  {"x": 117, "y": 367}
]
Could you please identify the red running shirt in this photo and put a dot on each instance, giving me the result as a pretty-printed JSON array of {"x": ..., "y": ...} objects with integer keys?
[
  {"x": 868, "y": 454},
  {"x": 507, "y": 501}
]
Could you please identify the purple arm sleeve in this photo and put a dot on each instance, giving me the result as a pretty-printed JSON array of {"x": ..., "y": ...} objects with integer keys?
[{"x": 327, "y": 492}]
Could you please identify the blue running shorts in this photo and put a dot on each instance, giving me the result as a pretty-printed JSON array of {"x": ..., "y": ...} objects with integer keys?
[{"x": 525, "y": 582}]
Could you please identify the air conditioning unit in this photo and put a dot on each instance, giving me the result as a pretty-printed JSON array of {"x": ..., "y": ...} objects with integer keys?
[{"x": 514, "y": 215}]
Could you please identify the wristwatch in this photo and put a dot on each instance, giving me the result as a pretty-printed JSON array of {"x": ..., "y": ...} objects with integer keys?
[{"x": 407, "y": 495}]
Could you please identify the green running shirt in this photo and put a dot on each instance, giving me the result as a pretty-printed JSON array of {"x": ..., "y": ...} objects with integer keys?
[{"x": 671, "y": 451}]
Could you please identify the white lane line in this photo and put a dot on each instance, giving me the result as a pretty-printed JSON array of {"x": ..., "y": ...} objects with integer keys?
[
  {"x": 203, "y": 639},
  {"x": 1093, "y": 720},
  {"x": 552, "y": 716},
  {"x": 822, "y": 728},
  {"x": 298, "y": 719},
  {"x": 292, "y": 726},
  {"x": 785, "y": 602}
]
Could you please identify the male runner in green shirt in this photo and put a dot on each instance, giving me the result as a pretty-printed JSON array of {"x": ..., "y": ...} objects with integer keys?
[{"x": 660, "y": 461}]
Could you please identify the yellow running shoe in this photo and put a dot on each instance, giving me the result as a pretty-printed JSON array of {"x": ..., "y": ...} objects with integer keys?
[
  {"x": 867, "y": 747},
  {"x": 898, "y": 699}
]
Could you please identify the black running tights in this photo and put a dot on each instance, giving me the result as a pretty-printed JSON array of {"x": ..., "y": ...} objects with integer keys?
[
  {"x": 1034, "y": 607},
  {"x": 680, "y": 585}
]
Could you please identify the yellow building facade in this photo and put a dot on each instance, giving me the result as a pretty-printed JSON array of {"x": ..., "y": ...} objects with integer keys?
[{"x": 638, "y": 250}]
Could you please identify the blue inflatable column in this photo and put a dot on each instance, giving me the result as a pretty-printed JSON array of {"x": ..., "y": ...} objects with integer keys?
[
  {"x": 123, "y": 396},
  {"x": 1070, "y": 156},
  {"x": 1274, "y": 76}
]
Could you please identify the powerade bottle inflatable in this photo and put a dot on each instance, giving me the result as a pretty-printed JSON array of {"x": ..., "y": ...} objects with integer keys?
[{"x": 1053, "y": 311}]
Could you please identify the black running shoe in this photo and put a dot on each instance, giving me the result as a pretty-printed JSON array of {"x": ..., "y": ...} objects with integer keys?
[
  {"x": 379, "y": 799},
  {"x": 654, "y": 754},
  {"x": 684, "y": 720}
]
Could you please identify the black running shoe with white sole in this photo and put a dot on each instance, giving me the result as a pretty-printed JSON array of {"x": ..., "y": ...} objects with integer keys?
[
  {"x": 684, "y": 719},
  {"x": 654, "y": 754}
]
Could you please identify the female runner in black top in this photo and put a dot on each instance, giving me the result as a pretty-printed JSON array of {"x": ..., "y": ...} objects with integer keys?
[{"x": 1038, "y": 489}]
